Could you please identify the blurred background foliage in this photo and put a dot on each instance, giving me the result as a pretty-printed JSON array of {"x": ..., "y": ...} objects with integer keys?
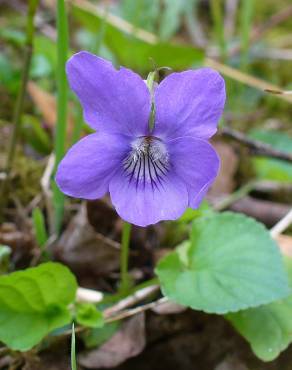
[
  {"x": 249, "y": 42},
  {"x": 177, "y": 34}
]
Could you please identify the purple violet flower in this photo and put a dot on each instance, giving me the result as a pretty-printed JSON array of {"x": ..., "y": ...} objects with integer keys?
[{"x": 151, "y": 175}]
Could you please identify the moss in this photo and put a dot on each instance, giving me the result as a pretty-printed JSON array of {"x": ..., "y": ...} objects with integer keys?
[{"x": 26, "y": 177}]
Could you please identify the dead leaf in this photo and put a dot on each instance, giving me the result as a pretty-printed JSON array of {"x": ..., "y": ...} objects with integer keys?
[
  {"x": 46, "y": 104},
  {"x": 264, "y": 211},
  {"x": 128, "y": 342},
  {"x": 86, "y": 251},
  {"x": 224, "y": 183},
  {"x": 160, "y": 253},
  {"x": 231, "y": 363},
  {"x": 5, "y": 361},
  {"x": 103, "y": 217},
  {"x": 20, "y": 241}
]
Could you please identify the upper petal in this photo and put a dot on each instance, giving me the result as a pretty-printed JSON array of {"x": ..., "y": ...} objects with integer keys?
[
  {"x": 144, "y": 204},
  {"x": 189, "y": 103},
  {"x": 88, "y": 166},
  {"x": 196, "y": 163},
  {"x": 115, "y": 101}
]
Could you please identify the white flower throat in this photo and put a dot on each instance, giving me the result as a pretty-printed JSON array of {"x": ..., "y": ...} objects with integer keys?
[{"x": 147, "y": 162}]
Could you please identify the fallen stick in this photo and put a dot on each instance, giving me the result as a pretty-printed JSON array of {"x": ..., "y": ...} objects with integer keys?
[
  {"x": 131, "y": 300},
  {"x": 282, "y": 225},
  {"x": 267, "y": 212},
  {"x": 258, "y": 147},
  {"x": 134, "y": 311}
]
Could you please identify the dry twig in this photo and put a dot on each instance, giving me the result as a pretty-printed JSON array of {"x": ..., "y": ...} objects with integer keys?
[
  {"x": 134, "y": 311},
  {"x": 258, "y": 147},
  {"x": 131, "y": 300},
  {"x": 282, "y": 225},
  {"x": 46, "y": 188}
]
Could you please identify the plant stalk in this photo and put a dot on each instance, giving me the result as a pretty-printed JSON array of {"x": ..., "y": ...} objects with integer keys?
[
  {"x": 218, "y": 20},
  {"x": 246, "y": 16},
  {"x": 62, "y": 97},
  {"x": 234, "y": 197},
  {"x": 124, "y": 260}
]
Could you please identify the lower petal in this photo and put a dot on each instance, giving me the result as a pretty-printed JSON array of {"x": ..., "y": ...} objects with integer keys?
[
  {"x": 88, "y": 166},
  {"x": 196, "y": 163},
  {"x": 144, "y": 204}
]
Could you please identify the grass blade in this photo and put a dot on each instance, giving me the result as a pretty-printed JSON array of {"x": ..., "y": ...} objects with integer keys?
[
  {"x": 62, "y": 88},
  {"x": 39, "y": 227},
  {"x": 246, "y": 16},
  {"x": 218, "y": 19},
  {"x": 73, "y": 349}
]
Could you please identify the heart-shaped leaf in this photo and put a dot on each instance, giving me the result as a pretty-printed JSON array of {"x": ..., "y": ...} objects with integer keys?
[
  {"x": 88, "y": 315},
  {"x": 267, "y": 328},
  {"x": 34, "y": 302},
  {"x": 231, "y": 263}
]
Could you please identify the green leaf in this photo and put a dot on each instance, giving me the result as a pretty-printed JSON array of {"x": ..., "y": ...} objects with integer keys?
[
  {"x": 273, "y": 169},
  {"x": 39, "y": 227},
  {"x": 40, "y": 66},
  {"x": 88, "y": 315},
  {"x": 172, "y": 17},
  {"x": 5, "y": 253},
  {"x": 47, "y": 48},
  {"x": 36, "y": 135},
  {"x": 136, "y": 53},
  {"x": 141, "y": 13},
  {"x": 267, "y": 328},
  {"x": 231, "y": 263},
  {"x": 12, "y": 36},
  {"x": 191, "y": 214},
  {"x": 34, "y": 302},
  {"x": 9, "y": 74},
  {"x": 98, "y": 336}
]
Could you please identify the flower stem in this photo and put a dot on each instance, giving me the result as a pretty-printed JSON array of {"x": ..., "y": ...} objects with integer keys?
[
  {"x": 125, "y": 280},
  {"x": 237, "y": 195},
  {"x": 150, "y": 84}
]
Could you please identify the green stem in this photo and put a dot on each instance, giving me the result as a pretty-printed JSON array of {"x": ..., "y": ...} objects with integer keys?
[
  {"x": 60, "y": 135},
  {"x": 246, "y": 16},
  {"x": 73, "y": 349},
  {"x": 150, "y": 83},
  {"x": 125, "y": 280},
  {"x": 32, "y": 7},
  {"x": 217, "y": 16},
  {"x": 234, "y": 197}
]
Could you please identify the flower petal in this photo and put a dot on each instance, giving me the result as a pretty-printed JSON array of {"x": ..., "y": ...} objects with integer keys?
[
  {"x": 88, "y": 166},
  {"x": 114, "y": 101},
  {"x": 189, "y": 103},
  {"x": 143, "y": 205},
  {"x": 196, "y": 163}
]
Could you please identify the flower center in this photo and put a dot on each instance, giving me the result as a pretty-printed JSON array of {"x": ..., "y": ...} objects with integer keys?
[{"x": 147, "y": 162}]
